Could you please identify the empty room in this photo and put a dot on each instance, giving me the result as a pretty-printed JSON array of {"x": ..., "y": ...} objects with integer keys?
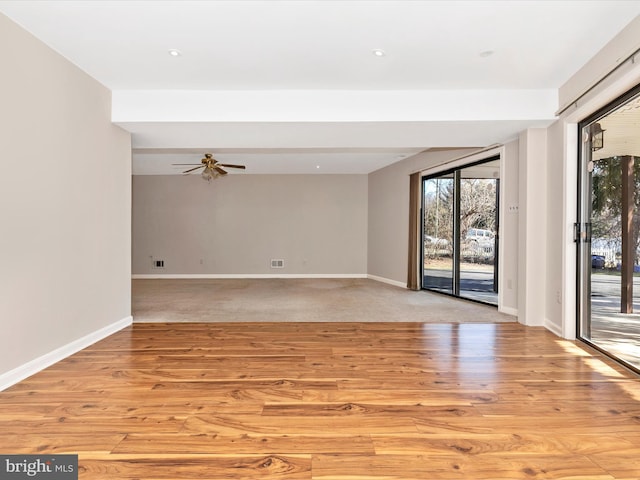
[{"x": 320, "y": 239}]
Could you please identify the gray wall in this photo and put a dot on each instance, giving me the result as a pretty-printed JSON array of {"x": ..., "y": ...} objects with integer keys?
[
  {"x": 235, "y": 225},
  {"x": 64, "y": 203}
]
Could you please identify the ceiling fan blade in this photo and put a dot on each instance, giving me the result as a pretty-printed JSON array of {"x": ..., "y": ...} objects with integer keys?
[
  {"x": 219, "y": 170},
  {"x": 232, "y": 166},
  {"x": 192, "y": 169},
  {"x": 186, "y": 164}
]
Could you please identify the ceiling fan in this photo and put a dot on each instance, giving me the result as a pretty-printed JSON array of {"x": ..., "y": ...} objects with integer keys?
[{"x": 212, "y": 168}]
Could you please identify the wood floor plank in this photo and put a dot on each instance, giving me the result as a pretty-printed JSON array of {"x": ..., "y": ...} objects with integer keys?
[
  {"x": 420, "y": 467},
  {"x": 59, "y": 443},
  {"x": 558, "y": 424},
  {"x": 405, "y": 396},
  {"x": 559, "y": 406},
  {"x": 110, "y": 425},
  {"x": 620, "y": 465},
  {"x": 297, "y": 425},
  {"x": 359, "y": 409},
  {"x": 602, "y": 445},
  {"x": 118, "y": 410},
  {"x": 195, "y": 468},
  {"x": 502, "y": 444},
  {"x": 187, "y": 443}
]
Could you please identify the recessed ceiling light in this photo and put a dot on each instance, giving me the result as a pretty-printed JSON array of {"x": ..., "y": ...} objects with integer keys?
[
  {"x": 174, "y": 53},
  {"x": 486, "y": 53},
  {"x": 378, "y": 52},
  {"x": 317, "y": 166}
]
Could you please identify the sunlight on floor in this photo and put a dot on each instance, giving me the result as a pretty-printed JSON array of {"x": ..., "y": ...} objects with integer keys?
[
  {"x": 601, "y": 367},
  {"x": 572, "y": 348},
  {"x": 631, "y": 388}
]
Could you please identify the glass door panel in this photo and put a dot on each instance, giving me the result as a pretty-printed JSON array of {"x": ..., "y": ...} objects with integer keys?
[
  {"x": 608, "y": 232},
  {"x": 438, "y": 209},
  {"x": 479, "y": 187}
]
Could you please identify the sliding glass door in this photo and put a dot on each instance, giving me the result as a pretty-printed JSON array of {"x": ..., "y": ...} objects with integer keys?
[
  {"x": 460, "y": 229},
  {"x": 607, "y": 233}
]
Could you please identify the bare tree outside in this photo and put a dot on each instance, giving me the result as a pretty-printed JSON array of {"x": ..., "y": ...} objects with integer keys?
[
  {"x": 438, "y": 218},
  {"x": 477, "y": 211},
  {"x": 606, "y": 206},
  {"x": 477, "y": 204}
]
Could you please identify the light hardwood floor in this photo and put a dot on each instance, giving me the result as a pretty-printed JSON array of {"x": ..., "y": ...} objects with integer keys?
[{"x": 331, "y": 401}]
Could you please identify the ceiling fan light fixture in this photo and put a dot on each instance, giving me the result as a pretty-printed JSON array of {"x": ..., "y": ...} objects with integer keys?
[
  {"x": 208, "y": 174},
  {"x": 211, "y": 168}
]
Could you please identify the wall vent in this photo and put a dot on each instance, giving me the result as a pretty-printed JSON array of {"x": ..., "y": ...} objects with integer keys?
[
  {"x": 158, "y": 263},
  {"x": 277, "y": 263}
]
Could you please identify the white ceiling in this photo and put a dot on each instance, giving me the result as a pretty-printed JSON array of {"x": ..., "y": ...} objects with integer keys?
[{"x": 285, "y": 86}]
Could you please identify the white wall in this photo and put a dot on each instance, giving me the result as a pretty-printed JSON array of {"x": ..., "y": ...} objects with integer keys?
[
  {"x": 532, "y": 231},
  {"x": 605, "y": 77},
  {"x": 235, "y": 225},
  {"x": 509, "y": 228},
  {"x": 64, "y": 205},
  {"x": 610, "y": 58},
  {"x": 555, "y": 178}
]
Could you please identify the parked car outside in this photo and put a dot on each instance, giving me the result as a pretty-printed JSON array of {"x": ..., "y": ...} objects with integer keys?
[{"x": 480, "y": 236}]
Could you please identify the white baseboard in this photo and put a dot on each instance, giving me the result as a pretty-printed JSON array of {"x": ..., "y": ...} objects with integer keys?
[
  {"x": 552, "y": 327},
  {"x": 34, "y": 366},
  {"x": 395, "y": 283},
  {"x": 170, "y": 276},
  {"x": 509, "y": 311}
]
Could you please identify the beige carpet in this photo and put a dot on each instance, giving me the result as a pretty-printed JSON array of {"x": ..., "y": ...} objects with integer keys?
[{"x": 298, "y": 300}]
